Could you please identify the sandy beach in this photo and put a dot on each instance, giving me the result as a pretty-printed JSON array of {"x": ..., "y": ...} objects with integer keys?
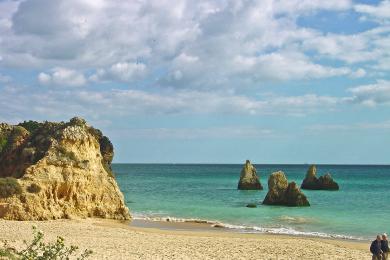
[{"x": 118, "y": 240}]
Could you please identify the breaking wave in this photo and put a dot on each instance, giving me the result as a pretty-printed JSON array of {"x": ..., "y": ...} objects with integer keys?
[{"x": 246, "y": 228}]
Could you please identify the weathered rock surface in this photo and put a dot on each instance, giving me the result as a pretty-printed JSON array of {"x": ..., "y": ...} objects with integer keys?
[
  {"x": 248, "y": 178},
  {"x": 251, "y": 205},
  {"x": 280, "y": 192},
  {"x": 311, "y": 182},
  {"x": 63, "y": 170}
]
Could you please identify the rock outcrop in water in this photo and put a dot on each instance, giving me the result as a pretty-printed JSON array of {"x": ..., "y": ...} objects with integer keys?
[
  {"x": 248, "y": 178},
  {"x": 280, "y": 192},
  {"x": 251, "y": 205},
  {"x": 57, "y": 170},
  {"x": 311, "y": 182}
]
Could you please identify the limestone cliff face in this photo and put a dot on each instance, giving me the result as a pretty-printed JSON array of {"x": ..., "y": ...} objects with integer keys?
[
  {"x": 248, "y": 178},
  {"x": 63, "y": 171},
  {"x": 311, "y": 182}
]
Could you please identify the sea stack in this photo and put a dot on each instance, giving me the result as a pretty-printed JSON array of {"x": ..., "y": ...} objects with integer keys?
[
  {"x": 311, "y": 182},
  {"x": 248, "y": 178},
  {"x": 280, "y": 192},
  {"x": 57, "y": 170}
]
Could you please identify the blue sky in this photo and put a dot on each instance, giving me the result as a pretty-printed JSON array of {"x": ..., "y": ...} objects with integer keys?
[{"x": 274, "y": 81}]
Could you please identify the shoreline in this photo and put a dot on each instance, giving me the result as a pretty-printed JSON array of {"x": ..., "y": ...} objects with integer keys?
[
  {"x": 193, "y": 228},
  {"x": 200, "y": 225},
  {"x": 189, "y": 224},
  {"x": 111, "y": 239}
]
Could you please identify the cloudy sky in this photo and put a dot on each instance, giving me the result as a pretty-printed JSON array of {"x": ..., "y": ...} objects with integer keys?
[{"x": 274, "y": 81}]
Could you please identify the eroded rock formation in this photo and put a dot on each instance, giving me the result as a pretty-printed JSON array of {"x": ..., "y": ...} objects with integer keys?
[
  {"x": 311, "y": 182},
  {"x": 60, "y": 170},
  {"x": 248, "y": 178},
  {"x": 280, "y": 192}
]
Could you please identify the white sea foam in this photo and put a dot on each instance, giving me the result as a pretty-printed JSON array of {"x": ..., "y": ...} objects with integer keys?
[
  {"x": 295, "y": 220},
  {"x": 244, "y": 228},
  {"x": 172, "y": 219}
]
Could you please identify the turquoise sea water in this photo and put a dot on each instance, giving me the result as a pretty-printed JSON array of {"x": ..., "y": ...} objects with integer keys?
[{"x": 360, "y": 209}]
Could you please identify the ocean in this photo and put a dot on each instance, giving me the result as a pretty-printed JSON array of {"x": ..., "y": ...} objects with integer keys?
[{"x": 359, "y": 210}]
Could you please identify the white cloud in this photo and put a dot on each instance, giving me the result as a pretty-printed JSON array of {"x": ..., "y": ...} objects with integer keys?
[
  {"x": 372, "y": 94},
  {"x": 286, "y": 66},
  {"x": 62, "y": 77},
  {"x": 84, "y": 33},
  {"x": 102, "y": 105},
  {"x": 349, "y": 48},
  {"x": 197, "y": 133},
  {"x": 184, "y": 58},
  {"x": 111, "y": 104},
  {"x": 385, "y": 125},
  {"x": 380, "y": 12},
  {"x": 299, "y": 6},
  {"x": 359, "y": 73},
  {"x": 44, "y": 78},
  {"x": 198, "y": 50},
  {"x": 196, "y": 42},
  {"x": 122, "y": 71},
  {"x": 7, "y": 9},
  {"x": 5, "y": 78}
]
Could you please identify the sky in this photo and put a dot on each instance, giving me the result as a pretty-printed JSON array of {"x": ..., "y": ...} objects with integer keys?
[{"x": 208, "y": 81}]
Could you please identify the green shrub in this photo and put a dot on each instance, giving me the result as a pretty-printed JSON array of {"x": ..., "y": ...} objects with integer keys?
[
  {"x": 68, "y": 154},
  {"x": 34, "y": 188},
  {"x": 77, "y": 121},
  {"x": 3, "y": 142},
  {"x": 38, "y": 250},
  {"x": 6, "y": 254},
  {"x": 16, "y": 134},
  {"x": 30, "y": 126},
  {"x": 9, "y": 187},
  {"x": 108, "y": 169},
  {"x": 18, "y": 131}
]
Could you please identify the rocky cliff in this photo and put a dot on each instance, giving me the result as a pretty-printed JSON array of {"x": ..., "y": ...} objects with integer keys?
[
  {"x": 311, "y": 182},
  {"x": 280, "y": 192},
  {"x": 248, "y": 178},
  {"x": 57, "y": 170}
]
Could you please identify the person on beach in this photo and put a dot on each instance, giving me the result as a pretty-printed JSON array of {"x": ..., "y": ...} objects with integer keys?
[
  {"x": 375, "y": 248},
  {"x": 385, "y": 247}
]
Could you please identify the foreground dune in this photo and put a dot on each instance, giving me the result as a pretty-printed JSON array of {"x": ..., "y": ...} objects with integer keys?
[{"x": 115, "y": 240}]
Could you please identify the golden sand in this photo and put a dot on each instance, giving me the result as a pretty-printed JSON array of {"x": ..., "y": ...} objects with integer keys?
[{"x": 115, "y": 240}]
